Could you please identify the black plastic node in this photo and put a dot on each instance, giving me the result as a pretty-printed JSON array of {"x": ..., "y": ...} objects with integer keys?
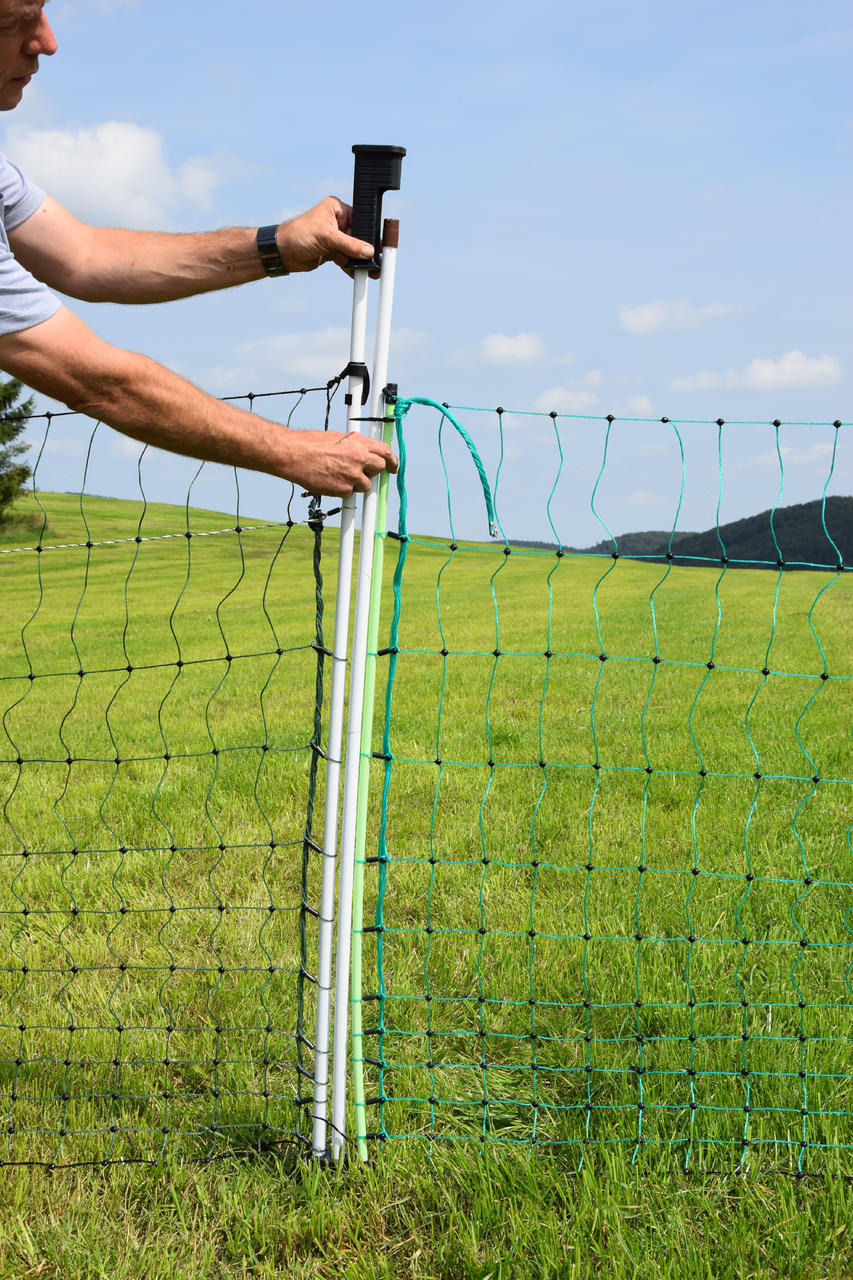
[
  {"x": 664, "y": 421},
  {"x": 757, "y": 776},
  {"x": 602, "y": 657},
  {"x": 804, "y": 942},
  {"x": 807, "y": 880},
  {"x": 724, "y": 559},
  {"x": 749, "y": 876},
  {"x": 553, "y": 413},
  {"x": 614, "y": 555},
  {"x": 824, "y": 675},
  {"x": 710, "y": 666},
  {"x": 669, "y": 555},
  {"x": 703, "y": 773},
  {"x": 649, "y": 769},
  {"x": 500, "y": 409},
  {"x": 780, "y": 564},
  {"x": 656, "y": 659},
  {"x": 721, "y": 422},
  {"x": 507, "y": 551}
]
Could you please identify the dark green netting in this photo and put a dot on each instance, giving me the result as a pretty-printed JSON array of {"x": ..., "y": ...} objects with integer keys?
[
  {"x": 611, "y": 887},
  {"x": 161, "y": 696}
]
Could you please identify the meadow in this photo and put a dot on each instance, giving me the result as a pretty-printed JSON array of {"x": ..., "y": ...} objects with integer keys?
[{"x": 606, "y": 965}]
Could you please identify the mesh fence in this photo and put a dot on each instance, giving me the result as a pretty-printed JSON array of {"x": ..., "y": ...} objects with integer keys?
[
  {"x": 609, "y": 889},
  {"x": 161, "y": 698},
  {"x": 609, "y": 901}
]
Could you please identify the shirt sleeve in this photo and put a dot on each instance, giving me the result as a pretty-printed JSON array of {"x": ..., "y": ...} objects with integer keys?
[{"x": 24, "y": 301}]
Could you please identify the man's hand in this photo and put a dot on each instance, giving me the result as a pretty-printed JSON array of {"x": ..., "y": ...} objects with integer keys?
[
  {"x": 321, "y": 235},
  {"x": 335, "y": 464}
]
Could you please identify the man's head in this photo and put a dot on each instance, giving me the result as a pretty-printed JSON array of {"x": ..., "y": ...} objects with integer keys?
[{"x": 24, "y": 34}]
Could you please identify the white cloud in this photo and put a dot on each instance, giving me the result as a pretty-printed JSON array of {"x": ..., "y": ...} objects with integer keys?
[
  {"x": 523, "y": 348},
  {"x": 643, "y": 498},
  {"x": 319, "y": 355},
  {"x": 640, "y": 406},
  {"x": 817, "y": 456},
  {"x": 791, "y": 371},
  {"x": 567, "y": 400},
  {"x": 673, "y": 317},
  {"x": 112, "y": 172}
]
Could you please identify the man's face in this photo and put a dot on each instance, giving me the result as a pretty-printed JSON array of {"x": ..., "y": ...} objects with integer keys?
[{"x": 24, "y": 34}]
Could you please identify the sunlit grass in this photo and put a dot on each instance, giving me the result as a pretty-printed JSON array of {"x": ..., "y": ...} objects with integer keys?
[{"x": 159, "y": 996}]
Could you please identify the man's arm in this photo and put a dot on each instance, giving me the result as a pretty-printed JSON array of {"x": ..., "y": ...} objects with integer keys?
[
  {"x": 109, "y": 264},
  {"x": 63, "y": 359}
]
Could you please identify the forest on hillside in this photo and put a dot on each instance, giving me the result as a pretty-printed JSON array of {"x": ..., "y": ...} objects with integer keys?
[{"x": 807, "y": 535}]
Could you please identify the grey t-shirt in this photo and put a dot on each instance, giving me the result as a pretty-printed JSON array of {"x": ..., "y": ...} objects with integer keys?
[{"x": 24, "y": 301}]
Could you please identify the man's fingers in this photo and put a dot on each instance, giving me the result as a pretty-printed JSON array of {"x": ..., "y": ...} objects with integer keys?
[{"x": 349, "y": 247}]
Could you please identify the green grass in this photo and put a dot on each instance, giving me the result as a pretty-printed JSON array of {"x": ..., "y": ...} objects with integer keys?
[{"x": 101, "y": 949}]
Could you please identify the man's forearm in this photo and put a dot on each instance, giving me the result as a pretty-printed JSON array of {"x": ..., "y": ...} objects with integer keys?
[
  {"x": 63, "y": 359},
  {"x": 107, "y": 264},
  {"x": 151, "y": 266}
]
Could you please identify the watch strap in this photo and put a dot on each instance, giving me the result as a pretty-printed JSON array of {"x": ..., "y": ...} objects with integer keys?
[{"x": 268, "y": 252}]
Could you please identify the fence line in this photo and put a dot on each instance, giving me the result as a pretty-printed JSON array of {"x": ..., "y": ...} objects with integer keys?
[{"x": 605, "y": 852}]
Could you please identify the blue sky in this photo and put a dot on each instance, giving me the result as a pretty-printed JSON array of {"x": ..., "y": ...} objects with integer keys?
[{"x": 607, "y": 207}]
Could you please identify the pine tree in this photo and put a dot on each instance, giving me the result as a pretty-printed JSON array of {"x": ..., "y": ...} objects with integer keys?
[{"x": 13, "y": 420}]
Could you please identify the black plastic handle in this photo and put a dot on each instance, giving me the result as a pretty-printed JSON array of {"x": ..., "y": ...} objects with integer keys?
[{"x": 377, "y": 170}]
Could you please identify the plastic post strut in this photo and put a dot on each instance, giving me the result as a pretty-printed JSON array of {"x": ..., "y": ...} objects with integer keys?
[
  {"x": 334, "y": 754},
  {"x": 377, "y": 170},
  {"x": 355, "y": 777}
]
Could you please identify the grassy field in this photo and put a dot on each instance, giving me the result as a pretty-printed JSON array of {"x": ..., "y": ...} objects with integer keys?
[{"x": 153, "y": 1003}]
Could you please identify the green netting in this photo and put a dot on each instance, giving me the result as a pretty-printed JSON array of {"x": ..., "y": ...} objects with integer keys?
[
  {"x": 610, "y": 900},
  {"x": 161, "y": 696}
]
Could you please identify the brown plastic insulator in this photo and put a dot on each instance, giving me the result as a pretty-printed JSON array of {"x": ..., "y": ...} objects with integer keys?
[{"x": 390, "y": 233}]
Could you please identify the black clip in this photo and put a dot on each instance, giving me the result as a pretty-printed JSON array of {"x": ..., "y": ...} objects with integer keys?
[{"x": 356, "y": 369}]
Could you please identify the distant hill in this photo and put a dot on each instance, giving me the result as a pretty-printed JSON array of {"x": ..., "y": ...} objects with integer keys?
[{"x": 749, "y": 543}]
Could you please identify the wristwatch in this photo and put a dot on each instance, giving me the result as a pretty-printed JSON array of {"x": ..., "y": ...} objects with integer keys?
[{"x": 268, "y": 252}]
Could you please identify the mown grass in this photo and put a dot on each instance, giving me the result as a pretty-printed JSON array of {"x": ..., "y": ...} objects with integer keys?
[{"x": 488, "y": 840}]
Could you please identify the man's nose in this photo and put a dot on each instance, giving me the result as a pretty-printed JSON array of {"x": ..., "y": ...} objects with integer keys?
[{"x": 42, "y": 40}]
